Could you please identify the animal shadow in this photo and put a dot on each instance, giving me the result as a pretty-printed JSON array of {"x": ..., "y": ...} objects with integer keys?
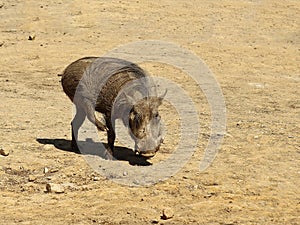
[{"x": 92, "y": 148}]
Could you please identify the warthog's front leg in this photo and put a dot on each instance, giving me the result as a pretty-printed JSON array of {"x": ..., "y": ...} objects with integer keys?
[{"x": 111, "y": 136}]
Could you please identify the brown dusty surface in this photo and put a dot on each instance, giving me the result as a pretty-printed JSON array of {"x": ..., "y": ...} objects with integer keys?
[{"x": 251, "y": 46}]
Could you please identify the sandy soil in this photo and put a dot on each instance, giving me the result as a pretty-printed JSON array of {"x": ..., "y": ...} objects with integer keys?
[{"x": 252, "y": 47}]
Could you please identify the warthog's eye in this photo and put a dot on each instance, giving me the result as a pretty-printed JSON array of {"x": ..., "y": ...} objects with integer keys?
[{"x": 156, "y": 115}]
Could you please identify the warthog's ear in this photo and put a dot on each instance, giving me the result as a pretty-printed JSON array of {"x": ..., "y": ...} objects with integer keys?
[
  {"x": 161, "y": 98},
  {"x": 129, "y": 99}
]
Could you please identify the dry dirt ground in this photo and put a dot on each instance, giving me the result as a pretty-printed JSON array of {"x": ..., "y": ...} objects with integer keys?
[{"x": 251, "y": 46}]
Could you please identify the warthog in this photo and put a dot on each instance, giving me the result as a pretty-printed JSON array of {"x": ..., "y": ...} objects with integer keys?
[{"x": 98, "y": 84}]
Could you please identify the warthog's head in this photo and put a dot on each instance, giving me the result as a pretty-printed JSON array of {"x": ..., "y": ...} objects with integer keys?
[{"x": 146, "y": 126}]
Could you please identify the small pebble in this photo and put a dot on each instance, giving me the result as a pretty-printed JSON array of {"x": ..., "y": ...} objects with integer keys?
[
  {"x": 54, "y": 170},
  {"x": 125, "y": 173},
  {"x": 136, "y": 182},
  {"x": 4, "y": 152},
  {"x": 96, "y": 178},
  {"x": 47, "y": 147},
  {"x": 155, "y": 221},
  {"x": 167, "y": 213},
  {"x": 31, "y": 37},
  {"x": 46, "y": 170},
  {"x": 31, "y": 178},
  {"x": 55, "y": 188}
]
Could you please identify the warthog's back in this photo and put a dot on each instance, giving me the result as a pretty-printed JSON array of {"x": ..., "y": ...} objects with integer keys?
[{"x": 102, "y": 81}]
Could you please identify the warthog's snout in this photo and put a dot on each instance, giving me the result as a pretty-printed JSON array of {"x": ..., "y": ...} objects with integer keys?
[{"x": 148, "y": 153}]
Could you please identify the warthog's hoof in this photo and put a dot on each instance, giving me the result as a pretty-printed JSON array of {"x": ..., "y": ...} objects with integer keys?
[{"x": 108, "y": 155}]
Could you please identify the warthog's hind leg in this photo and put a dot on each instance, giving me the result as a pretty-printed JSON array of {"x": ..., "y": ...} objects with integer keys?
[
  {"x": 76, "y": 124},
  {"x": 90, "y": 112}
]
